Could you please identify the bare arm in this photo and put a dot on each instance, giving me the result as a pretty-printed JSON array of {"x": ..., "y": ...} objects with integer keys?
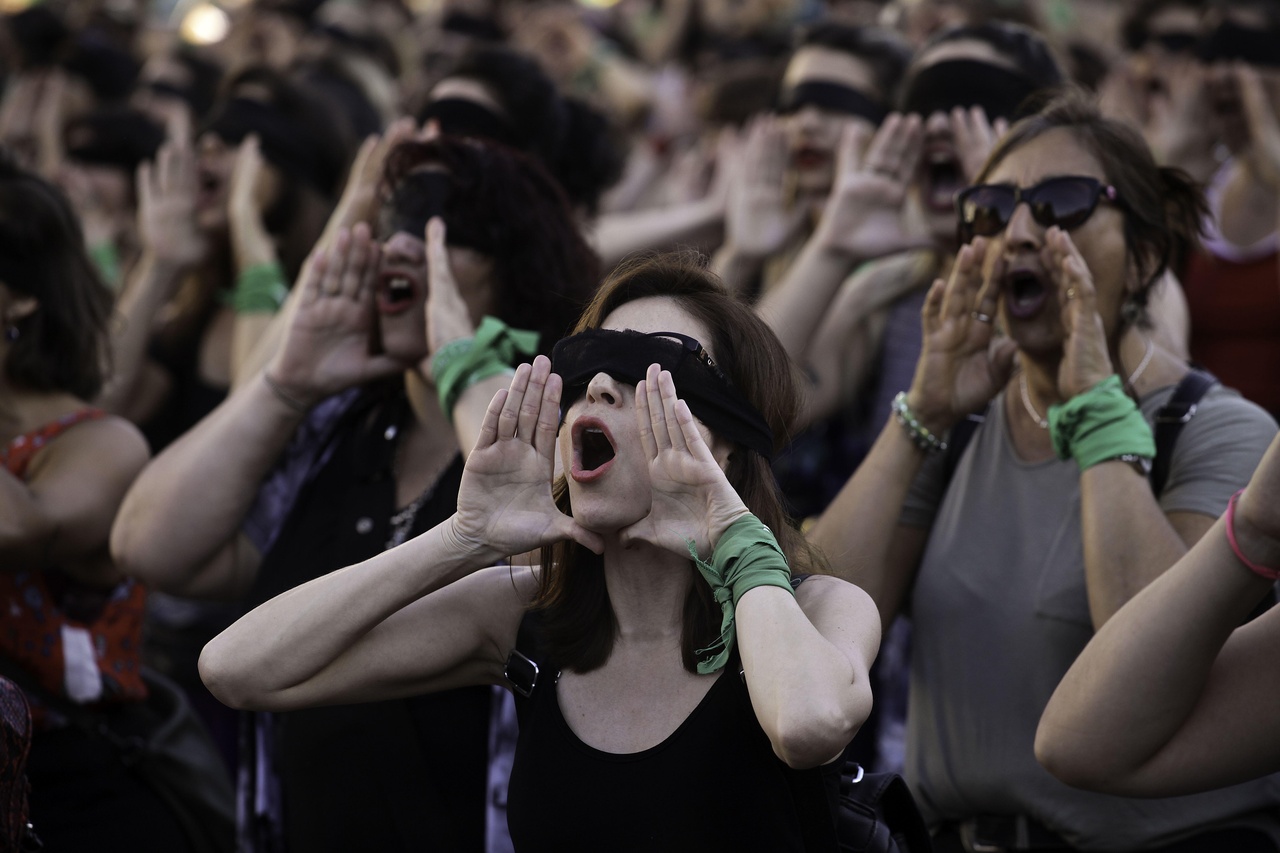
[
  {"x": 806, "y": 660},
  {"x": 1170, "y": 697},
  {"x": 61, "y": 514}
]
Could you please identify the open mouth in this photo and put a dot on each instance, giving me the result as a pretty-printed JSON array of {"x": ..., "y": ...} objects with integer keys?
[
  {"x": 1025, "y": 293},
  {"x": 208, "y": 189},
  {"x": 807, "y": 158},
  {"x": 594, "y": 450},
  {"x": 943, "y": 179},
  {"x": 395, "y": 293}
]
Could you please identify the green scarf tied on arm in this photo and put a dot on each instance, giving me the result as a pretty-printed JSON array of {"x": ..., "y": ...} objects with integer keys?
[
  {"x": 747, "y": 556},
  {"x": 493, "y": 349},
  {"x": 1100, "y": 424}
]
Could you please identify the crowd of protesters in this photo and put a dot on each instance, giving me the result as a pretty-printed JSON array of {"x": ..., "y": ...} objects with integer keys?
[{"x": 564, "y": 425}]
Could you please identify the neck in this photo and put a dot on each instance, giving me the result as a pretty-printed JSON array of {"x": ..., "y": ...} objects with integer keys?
[
  {"x": 425, "y": 403},
  {"x": 647, "y": 588}
]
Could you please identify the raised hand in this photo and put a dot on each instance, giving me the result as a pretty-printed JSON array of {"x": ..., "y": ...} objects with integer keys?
[
  {"x": 1263, "y": 156},
  {"x": 447, "y": 315},
  {"x": 692, "y": 499},
  {"x": 759, "y": 220},
  {"x": 1085, "y": 359},
  {"x": 167, "y": 192},
  {"x": 974, "y": 136},
  {"x": 863, "y": 215},
  {"x": 1180, "y": 124},
  {"x": 505, "y": 500},
  {"x": 327, "y": 347},
  {"x": 960, "y": 370}
]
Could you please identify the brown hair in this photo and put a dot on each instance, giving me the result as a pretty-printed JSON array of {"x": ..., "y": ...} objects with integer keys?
[
  {"x": 1163, "y": 208},
  {"x": 578, "y": 619}
]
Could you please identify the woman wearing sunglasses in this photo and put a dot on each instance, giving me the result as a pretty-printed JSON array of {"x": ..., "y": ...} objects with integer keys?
[
  {"x": 1011, "y": 555},
  {"x": 682, "y": 694}
]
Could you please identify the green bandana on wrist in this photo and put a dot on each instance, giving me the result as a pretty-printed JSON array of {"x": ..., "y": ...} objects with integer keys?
[
  {"x": 1100, "y": 424},
  {"x": 494, "y": 349},
  {"x": 747, "y": 556},
  {"x": 260, "y": 289}
]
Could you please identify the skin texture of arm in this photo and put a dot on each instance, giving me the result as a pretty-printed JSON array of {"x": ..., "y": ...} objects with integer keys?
[
  {"x": 806, "y": 661},
  {"x": 61, "y": 515},
  {"x": 1171, "y": 697}
]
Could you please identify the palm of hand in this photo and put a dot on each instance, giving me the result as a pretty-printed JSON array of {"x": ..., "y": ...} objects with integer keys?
[
  {"x": 505, "y": 500},
  {"x": 760, "y": 220},
  {"x": 865, "y": 217}
]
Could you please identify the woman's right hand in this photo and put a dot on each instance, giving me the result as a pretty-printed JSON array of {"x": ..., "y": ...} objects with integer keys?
[
  {"x": 167, "y": 191},
  {"x": 960, "y": 370},
  {"x": 758, "y": 220},
  {"x": 505, "y": 501},
  {"x": 327, "y": 346}
]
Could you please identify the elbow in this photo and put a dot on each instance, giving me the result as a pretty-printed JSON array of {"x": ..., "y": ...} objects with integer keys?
[
  {"x": 1067, "y": 759},
  {"x": 819, "y": 735},
  {"x": 130, "y": 554},
  {"x": 229, "y": 682}
]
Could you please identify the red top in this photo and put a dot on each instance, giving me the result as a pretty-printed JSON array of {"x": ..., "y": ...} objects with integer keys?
[
  {"x": 80, "y": 641},
  {"x": 1235, "y": 324}
]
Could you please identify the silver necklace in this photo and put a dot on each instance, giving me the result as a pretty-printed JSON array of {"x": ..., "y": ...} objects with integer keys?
[{"x": 1133, "y": 377}]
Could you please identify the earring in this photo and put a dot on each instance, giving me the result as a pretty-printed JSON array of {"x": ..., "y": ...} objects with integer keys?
[{"x": 1131, "y": 310}]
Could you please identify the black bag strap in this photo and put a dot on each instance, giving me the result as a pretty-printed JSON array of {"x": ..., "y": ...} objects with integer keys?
[
  {"x": 1172, "y": 417},
  {"x": 879, "y": 814}
]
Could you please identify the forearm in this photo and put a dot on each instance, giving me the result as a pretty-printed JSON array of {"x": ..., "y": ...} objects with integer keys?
[
  {"x": 859, "y": 532},
  {"x": 277, "y": 655},
  {"x": 735, "y": 268},
  {"x": 795, "y": 308},
  {"x": 191, "y": 500},
  {"x": 618, "y": 235},
  {"x": 809, "y": 697},
  {"x": 150, "y": 283},
  {"x": 1125, "y": 703},
  {"x": 1128, "y": 540}
]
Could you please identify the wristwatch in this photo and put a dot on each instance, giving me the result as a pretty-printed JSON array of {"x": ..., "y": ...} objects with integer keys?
[{"x": 1141, "y": 464}]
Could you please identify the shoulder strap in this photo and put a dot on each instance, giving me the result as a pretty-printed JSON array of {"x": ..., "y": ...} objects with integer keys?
[
  {"x": 523, "y": 668},
  {"x": 1172, "y": 417}
]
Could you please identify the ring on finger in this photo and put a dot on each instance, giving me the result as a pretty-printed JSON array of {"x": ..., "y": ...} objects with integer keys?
[
  {"x": 980, "y": 317},
  {"x": 1071, "y": 293}
]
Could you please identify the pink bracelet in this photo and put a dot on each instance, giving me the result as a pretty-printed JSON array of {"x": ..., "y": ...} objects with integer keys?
[{"x": 1270, "y": 574}]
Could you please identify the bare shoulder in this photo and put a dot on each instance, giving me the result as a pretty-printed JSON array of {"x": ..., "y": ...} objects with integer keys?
[{"x": 109, "y": 445}]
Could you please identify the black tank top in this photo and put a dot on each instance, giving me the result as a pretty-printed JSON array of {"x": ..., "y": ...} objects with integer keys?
[{"x": 713, "y": 785}]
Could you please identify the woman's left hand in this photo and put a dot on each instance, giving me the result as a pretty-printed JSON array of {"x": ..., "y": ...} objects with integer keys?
[
  {"x": 692, "y": 499},
  {"x": 447, "y": 315},
  {"x": 1085, "y": 358}
]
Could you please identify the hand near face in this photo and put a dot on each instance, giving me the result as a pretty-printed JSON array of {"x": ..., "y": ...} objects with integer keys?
[
  {"x": 863, "y": 215},
  {"x": 960, "y": 369},
  {"x": 505, "y": 500},
  {"x": 248, "y": 193},
  {"x": 167, "y": 192},
  {"x": 975, "y": 136},
  {"x": 760, "y": 221},
  {"x": 692, "y": 500},
  {"x": 327, "y": 349},
  {"x": 447, "y": 316},
  {"x": 1085, "y": 359},
  {"x": 1263, "y": 156}
]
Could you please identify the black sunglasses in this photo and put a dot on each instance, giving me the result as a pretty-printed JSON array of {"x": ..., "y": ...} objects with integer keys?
[{"x": 1068, "y": 202}]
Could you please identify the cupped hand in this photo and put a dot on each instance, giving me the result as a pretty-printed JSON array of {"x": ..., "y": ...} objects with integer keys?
[
  {"x": 447, "y": 315},
  {"x": 248, "y": 193},
  {"x": 759, "y": 219},
  {"x": 167, "y": 191},
  {"x": 1085, "y": 358},
  {"x": 1263, "y": 156},
  {"x": 960, "y": 368},
  {"x": 1180, "y": 124},
  {"x": 692, "y": 499},
  {"x": 974, "y": 136},
  {"x": 863, "y": 216},
  {"x": 327, "y": 348},
  {"x": 505, "y": 501}
]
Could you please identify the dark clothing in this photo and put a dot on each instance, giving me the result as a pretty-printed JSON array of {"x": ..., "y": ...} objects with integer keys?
[
  {"x": 714, "y": 785},
  {"x": 401, "y": 775}
]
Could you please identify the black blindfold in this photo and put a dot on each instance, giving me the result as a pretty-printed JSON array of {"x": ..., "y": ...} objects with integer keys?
[
  {"x": 119, "y": 140},
  {"x": 968, "y": 83},
  {"x": 1231, "y": 42},
  {"x": 283, "y": 143},
  {"x": 460, "y": 117},
  {"x": 832, "y": 97},
  {"x": 423, "y": 194},
  {"x": 626, "y": 356}
]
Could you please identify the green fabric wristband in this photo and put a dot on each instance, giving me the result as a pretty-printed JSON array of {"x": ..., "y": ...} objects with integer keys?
[
  {"x": 107, "y": 261},
  {"x": 1100, "y": 424},
  {"x": 260, "y": 289},
  {"x": 493, "y": 350},
  {"x": 747, "y": 556}
]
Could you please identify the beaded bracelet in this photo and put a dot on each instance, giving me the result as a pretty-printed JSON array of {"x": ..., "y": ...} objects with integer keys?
[
  {"x": 919, "y": 434},
  {"x": 1230, "y": 523}
]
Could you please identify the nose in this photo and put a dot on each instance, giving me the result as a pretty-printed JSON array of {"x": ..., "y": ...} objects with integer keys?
[
  {"x": 938, "y": 122},
  {"x": 405, "y": 248},
  {"x": 808, "y": 118},
  {"x": 1023, "y": 231},
  {"x": 603, "y": 388}
]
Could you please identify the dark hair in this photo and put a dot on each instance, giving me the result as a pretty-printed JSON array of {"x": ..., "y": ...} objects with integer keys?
[
  {"x": 1270, "y": 9},
  {"x": 884, "y": 51},
  {"x": 109, "y": 71},
  {"x": 205, "y": 77},
  {"x": 546, "y": 271},
  {"x": 1133, "y": 28},
  {"x": 591, "y": 159},
  {"x": 1021, "y": 45},
  {"x": 61, "y": 345},
  {"x": 1163, "y": 209},
  {"x": 579, "y": 624}
]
